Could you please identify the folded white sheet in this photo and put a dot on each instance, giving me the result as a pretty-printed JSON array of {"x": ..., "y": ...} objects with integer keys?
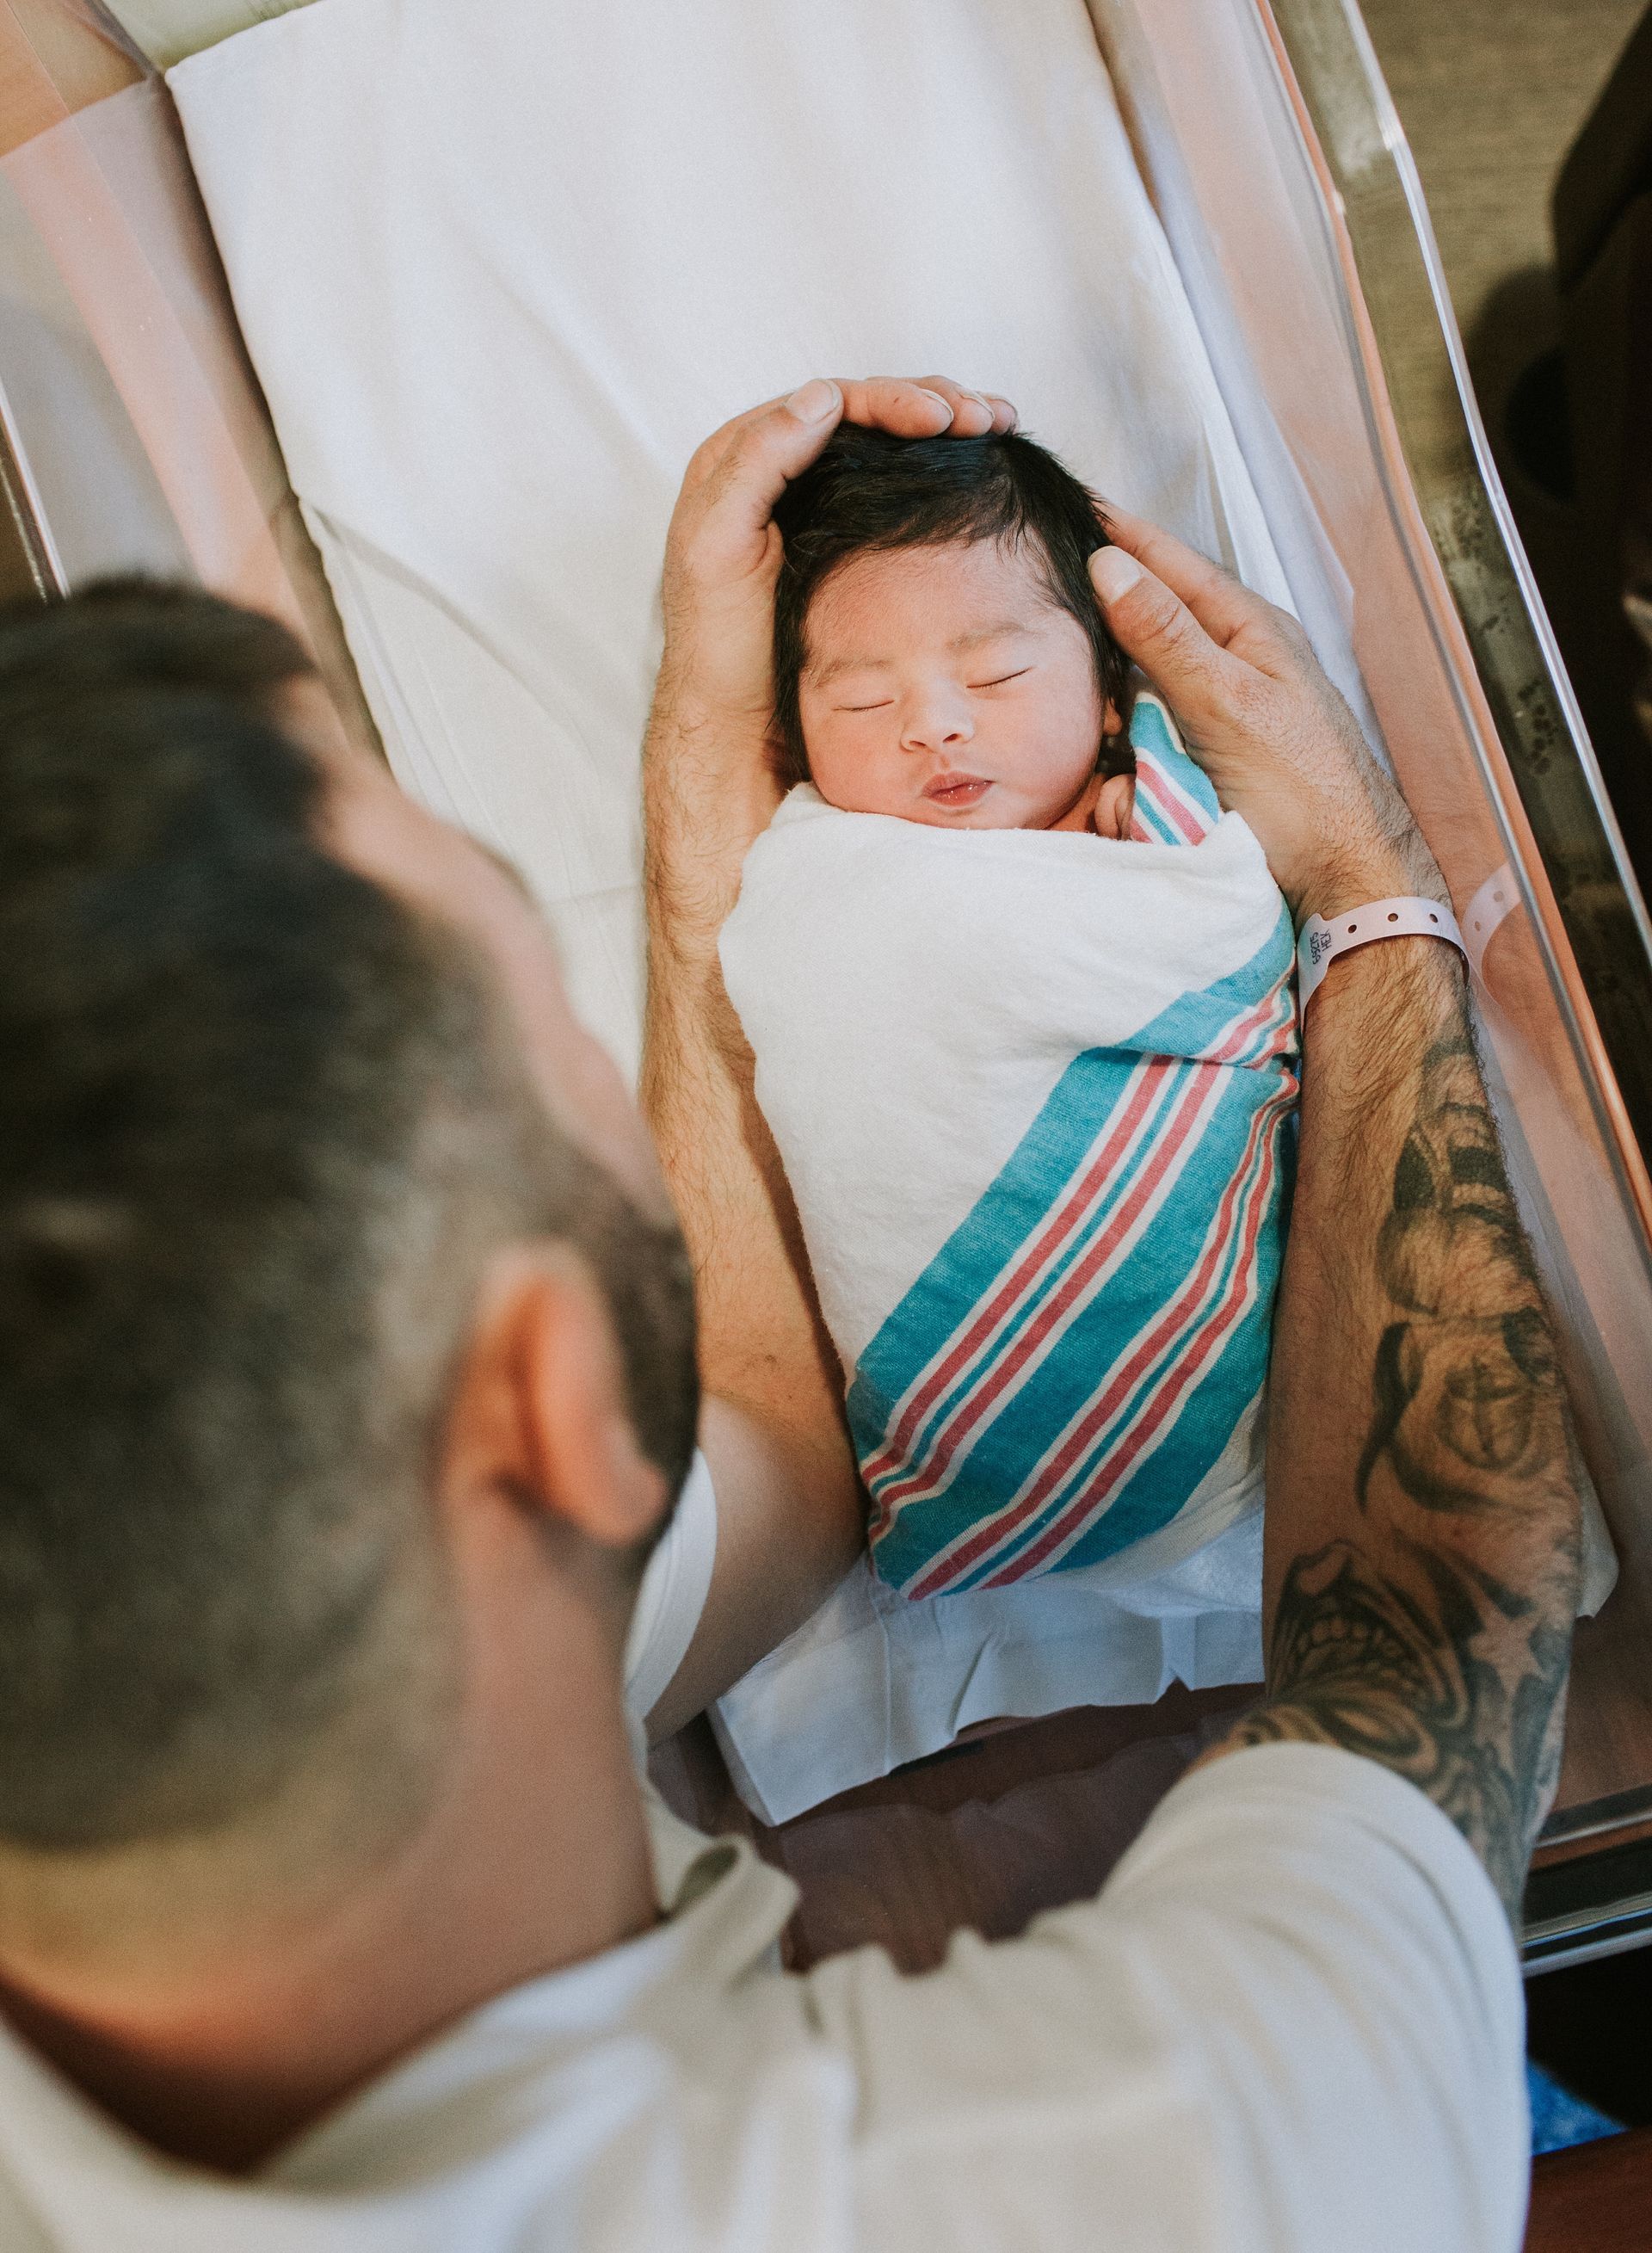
[{"x": 499, "y": 270}]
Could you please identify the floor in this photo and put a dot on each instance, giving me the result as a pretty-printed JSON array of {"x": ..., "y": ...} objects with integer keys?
[
  {"x": 1588, "y": 2025},
  {"x": 1490, "y": 92}
]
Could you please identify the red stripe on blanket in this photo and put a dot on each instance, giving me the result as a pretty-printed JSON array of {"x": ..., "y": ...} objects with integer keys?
[
  {"x": 982, "y": 1538},
  {"x": 974, "y": 1405},
  {"x": 968, "y": 1411},
  {"x": 1181, "y": 813},
  {"x": 1177, "y": 1379},
  {"x": 1061, "y": 1225}
]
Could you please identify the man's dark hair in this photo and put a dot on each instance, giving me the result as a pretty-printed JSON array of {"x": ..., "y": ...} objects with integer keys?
[
  {"x": 260, "y": 1130},
  {"x": 869, "y": 492}
]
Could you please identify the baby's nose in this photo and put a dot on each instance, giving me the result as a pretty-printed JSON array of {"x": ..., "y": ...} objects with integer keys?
[{"x": 931, "y": 723}]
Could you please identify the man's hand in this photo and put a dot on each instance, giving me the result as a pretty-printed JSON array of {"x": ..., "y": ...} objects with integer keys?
[
  {"x": 790, "y": 1514},
  {"x": 722, "y": 551},
  {"x": 1422, "y": 1520},
  {"x": 708, "y": 771},
  {"x": 1278, "y": 742}
]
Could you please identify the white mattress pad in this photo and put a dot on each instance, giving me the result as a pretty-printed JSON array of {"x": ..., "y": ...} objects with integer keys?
[{"x": 500, "y": 271}]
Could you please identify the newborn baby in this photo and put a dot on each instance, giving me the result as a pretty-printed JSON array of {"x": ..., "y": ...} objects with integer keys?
[{"x": 1020, "y": 999}]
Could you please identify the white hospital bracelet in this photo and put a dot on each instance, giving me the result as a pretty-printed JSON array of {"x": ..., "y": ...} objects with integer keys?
[{"x": 1322, "y": 942}]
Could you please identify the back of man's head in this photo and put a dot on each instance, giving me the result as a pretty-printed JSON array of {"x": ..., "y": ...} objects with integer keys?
[{"x": 259, "y": 1135}]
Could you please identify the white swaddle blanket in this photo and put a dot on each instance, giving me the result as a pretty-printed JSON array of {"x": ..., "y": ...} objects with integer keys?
[{"x": 1033, "y": 1091}]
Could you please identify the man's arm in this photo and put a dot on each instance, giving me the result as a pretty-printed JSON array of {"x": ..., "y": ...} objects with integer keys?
[
  {"x": 1423, "y": 1502},
  {"x": 790, "y": 1513},
  {"x": 1422, "y": 1534}
]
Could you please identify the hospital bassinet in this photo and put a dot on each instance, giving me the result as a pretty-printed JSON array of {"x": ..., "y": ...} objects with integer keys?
[{"x": 133, "y": 434}]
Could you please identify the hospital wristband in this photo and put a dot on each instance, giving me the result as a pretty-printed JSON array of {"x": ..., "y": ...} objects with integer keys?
[{"x": 1321, "y": 942}]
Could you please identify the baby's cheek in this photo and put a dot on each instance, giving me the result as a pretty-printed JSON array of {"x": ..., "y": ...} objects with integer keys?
[{"x": 851, "y": 777}]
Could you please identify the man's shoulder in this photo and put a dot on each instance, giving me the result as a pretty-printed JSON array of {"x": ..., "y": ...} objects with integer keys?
[
  {"x": 1297, "y": 1989},
  {"x": 1289, "y": 2004}
]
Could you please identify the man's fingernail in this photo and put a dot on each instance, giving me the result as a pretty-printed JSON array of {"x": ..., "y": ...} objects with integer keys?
[
  {"x": 814, "y": 401},
  {"x": 1113, "y": 573},
  {"x": 945, "y": 405}
]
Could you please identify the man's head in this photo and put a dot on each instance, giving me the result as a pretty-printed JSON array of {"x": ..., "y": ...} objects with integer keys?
[
  {"x": 285, "y": 1075},
  {"x": 939, "y": 653}
]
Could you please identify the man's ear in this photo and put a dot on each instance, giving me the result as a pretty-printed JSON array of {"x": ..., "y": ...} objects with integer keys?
[{"x": 539, "y": 1417}]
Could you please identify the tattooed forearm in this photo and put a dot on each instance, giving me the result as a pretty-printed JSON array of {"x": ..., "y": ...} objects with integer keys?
[
  {"x": 1433, "y": 1635},
  {"x": 1449, "y": 1678},
  {"x": 1467, "y": 1394}
]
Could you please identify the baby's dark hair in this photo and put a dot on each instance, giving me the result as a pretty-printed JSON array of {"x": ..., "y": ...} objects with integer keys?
[{"x": 872, "y": 492}]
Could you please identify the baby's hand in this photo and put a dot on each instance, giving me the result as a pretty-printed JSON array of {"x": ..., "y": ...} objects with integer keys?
[{"x": 1115, "y": 808}]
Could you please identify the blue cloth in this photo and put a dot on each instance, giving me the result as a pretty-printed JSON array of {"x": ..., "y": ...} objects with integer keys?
[{"x": 1559, "y": 2118}]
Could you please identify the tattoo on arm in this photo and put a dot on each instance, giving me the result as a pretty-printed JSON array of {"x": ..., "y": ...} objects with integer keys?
[
  {"x": 1439, "y": 1645},
  {"x": 1467, "y": 1397}
]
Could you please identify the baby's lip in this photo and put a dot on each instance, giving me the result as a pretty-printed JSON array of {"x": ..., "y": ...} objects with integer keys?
[{"x": 957, "y": 789}]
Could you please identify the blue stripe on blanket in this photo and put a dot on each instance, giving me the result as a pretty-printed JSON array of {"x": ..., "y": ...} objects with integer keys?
[
  {"x": 1073, "y": 1362},
  {"x": 1161, "y": 760}
]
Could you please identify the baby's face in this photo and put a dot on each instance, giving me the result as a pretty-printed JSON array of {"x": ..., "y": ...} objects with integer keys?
[{"x": 943, "y": 685}]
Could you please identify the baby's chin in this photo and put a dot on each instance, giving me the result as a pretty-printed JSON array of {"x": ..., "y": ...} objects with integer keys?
[
  {"x": 997, "y": 810},
  {"x": 997, "y": 807}
]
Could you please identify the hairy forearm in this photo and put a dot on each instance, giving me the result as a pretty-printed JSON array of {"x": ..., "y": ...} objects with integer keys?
[
  {"x": 1422, "y": 1493},
  {"x": 759, "y": 1333},
  {"x": 789, "y": 1508}
]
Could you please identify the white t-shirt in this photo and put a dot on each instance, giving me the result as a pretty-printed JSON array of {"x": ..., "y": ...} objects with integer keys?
[
  {"x": 1293, "y": 2018},
  {"x": 673, "y": 1594}
]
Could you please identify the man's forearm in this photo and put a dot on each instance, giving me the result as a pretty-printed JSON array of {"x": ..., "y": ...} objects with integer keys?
[
  {"x": 788, "y": 1505},
  {"x": 1422, "y": 1495},
  {"x": 759, "y": 1333}
]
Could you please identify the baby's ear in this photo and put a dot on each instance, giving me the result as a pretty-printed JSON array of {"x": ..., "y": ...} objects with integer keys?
[
  {"x": 1112, "y": 723},
  {"x": 1115, "y": 806}
]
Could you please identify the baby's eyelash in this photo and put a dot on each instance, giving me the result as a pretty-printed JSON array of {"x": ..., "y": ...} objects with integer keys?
[{"x": 884, "y": 703}]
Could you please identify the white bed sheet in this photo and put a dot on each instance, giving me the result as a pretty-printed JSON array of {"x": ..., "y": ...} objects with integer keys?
[{"x": 500, "y": 271}]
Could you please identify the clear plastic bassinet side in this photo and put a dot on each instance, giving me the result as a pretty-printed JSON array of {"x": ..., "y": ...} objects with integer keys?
[
  {"x": 1280, "y": 173},
  {"x": 133, "y": 435}
]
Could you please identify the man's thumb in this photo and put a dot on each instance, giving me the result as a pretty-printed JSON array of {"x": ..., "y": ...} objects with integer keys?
[
  {"x": 1150, "y": 624},
  {"x": 1114, "y": 572}
]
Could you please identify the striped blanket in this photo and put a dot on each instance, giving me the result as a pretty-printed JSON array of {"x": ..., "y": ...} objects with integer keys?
[{"x": 1033, "y": 1094}]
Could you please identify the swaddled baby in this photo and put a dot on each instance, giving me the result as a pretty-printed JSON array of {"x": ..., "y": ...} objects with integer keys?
[{"x": 1020, "y": 999}]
